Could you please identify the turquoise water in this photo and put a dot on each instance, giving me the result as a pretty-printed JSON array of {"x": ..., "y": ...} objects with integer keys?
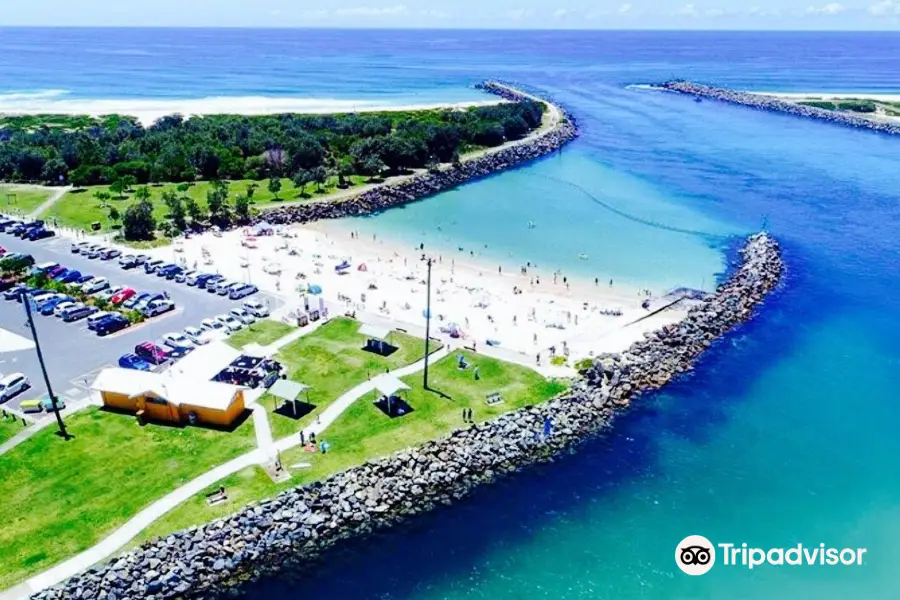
[{"x": 788, "y": 430}]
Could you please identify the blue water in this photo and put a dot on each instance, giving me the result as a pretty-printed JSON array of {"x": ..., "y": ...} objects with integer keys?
[{"x": 787, "y": 432}]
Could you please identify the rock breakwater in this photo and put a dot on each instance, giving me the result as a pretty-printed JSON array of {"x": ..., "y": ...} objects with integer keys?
[
  {"x": 769, "y": 103},
  {"x": 429, "y": 183},
  {"x": 283, "y": 534}
]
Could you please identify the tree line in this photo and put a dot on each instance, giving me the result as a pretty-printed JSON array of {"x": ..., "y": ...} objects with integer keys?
[{"x": 306, "y": 148}]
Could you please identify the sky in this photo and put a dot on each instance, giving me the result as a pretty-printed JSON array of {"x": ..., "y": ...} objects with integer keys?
[{"x": 489, "y": 14}]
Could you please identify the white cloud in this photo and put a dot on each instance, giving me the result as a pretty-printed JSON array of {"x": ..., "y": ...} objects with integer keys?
[
  {"x": 315, "y": 14},
  {"x": 688, "y": 10},
  {"x": 560, "y": 13},
  {"x": 714, "y": 12},
  {"x": 372, "y": 11},
  {"x": 434, "y": 14},
  {"x": 887, "y": 7},
  {"x": 832, "y": 8},
  {"x": 519, "y": 13},
  {"x": 625, "y": 8}
]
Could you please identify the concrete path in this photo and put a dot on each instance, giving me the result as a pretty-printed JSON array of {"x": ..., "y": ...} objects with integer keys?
[
  {"x": 49, "y": 202},
  {"x": 127, "y": 532},
  {"x": 264, "y": 442}
]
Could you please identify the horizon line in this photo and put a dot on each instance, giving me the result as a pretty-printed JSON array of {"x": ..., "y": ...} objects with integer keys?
[{"x": 484, "y": 29}]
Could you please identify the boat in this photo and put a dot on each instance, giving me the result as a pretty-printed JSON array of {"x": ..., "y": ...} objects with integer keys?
[{"x": 583, "y": 256}]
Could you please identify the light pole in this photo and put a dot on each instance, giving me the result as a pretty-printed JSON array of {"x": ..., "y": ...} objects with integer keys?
[
  {"x": 427, "y": 324},
  {"x": 27, "y": 300}
]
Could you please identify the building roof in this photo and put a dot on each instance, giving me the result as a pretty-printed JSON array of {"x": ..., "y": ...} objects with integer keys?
[
  {"x": 388, "y": 384},
  {"x": 205, "y": 362},
  {"x": 176, "y": 389},
  {"x": 287, "y": 389},
  {"x": 378, "y": 332}
]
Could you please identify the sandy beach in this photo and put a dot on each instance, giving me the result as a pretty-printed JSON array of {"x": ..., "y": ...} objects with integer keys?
[
  {"x": 511, "y": 315},
  {"x": 148, "y": 111}
]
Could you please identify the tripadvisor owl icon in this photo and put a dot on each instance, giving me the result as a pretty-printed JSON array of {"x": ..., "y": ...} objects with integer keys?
[{"x": 695, "y": 555}]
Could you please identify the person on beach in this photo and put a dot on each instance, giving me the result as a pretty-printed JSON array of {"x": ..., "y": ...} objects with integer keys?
[
  {"x": 610, "y": 283},
  {"x": 538, "y": 359}
]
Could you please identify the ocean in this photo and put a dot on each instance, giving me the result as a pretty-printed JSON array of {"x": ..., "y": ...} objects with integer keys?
[{"x": 788, "y": 430}]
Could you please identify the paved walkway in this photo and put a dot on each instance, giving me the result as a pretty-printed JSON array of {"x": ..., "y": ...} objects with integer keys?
[
  {"x": 53, "y": 199},
  {"x": 127, "y": 532}
]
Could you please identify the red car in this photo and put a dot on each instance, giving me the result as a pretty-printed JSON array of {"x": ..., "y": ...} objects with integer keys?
[
  {"x": 122, "y": 296},
  {"x": 151, "y": 353}
]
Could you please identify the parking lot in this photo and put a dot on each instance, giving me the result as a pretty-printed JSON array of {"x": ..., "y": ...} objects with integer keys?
[{"x": 74, "y": 354}]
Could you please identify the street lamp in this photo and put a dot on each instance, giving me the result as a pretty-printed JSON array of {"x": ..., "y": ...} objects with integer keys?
[
  {"x": 28, "y": 301},
  {"x": 427, "y": 324}
]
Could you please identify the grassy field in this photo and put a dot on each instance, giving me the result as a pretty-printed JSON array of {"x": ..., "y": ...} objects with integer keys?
[
  {"x": 262, "y": 332},
  {"x": 60, "y": 498},
  {"x": 79, "y": 208},
  {"x": 363, "y": 432},
  {"x": 331, "y": 361},
  {"x": 21, "y": 200},
  {"x": 9, "y": 428}
]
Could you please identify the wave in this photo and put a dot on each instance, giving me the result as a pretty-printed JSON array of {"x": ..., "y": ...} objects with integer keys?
[{"x": 149, "y": 110}]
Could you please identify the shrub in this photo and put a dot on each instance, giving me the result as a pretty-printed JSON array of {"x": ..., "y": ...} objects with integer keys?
[
  {"x": 584, "y": 364},
  {"x": 134, "y": 317},
  {"x": 558, "y": 360}
]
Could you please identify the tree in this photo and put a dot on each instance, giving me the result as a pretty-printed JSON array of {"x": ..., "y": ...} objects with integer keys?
[
  {"x": 177, "y": 211},
  {"x": 216, "y": 203},
  {"x": 117, "y": 187},
  {"x": 193, "y": 210},
  {"x": 114, "y": 214},
  {"x": 301, "y": 178},
  {"x": 344, "y": 169},
  {"x": 142, "y": 193},
  {"x": 138, "y": 222},
  {"x": 54, "y": 170},
  {"x": 242, "y": 208},
  {"x": 274, "y": 186},
  {"x": 129, "y": 181},
  {"x": 320, "y": 176},
  {"x": 373, "y": 166},
  {"x": 251, "y": 189},
  {"x": 102, "y": 196}
]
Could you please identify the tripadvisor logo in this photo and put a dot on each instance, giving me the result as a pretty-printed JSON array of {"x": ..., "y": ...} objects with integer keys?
[{"x": 696, "y": 555}]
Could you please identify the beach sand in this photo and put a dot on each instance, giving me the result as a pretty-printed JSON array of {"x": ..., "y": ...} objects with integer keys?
[{"x": 524, "y": 314}]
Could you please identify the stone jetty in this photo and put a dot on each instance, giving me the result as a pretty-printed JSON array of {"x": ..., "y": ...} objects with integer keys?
[
  {"x": 281, "y": 536},
  {"x": 769, "y": 103},
  {"x": 429, "y": 183}
]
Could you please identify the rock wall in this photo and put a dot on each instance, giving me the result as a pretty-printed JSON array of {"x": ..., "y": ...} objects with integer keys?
[
  {"x": 769, "y": 103},
  {"x": 286, "y": 532},
  {"x": 429, "y": 183}
]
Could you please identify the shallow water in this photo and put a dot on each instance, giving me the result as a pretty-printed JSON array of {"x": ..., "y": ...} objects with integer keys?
[{"x": 786, "y": 433}]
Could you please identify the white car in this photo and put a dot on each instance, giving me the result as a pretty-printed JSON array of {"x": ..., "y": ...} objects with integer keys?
[
  {"x": 57, "y": 312},
  {"x": 110, "y": 292},
  {"x": 255, "y": 308},
  {"x": 230, "y": 322},
  {"x": 12, "y": 385},
  {"x": 158, "y": 307},
  {"x": 178, "y": 340},
  {"x": 198, "y": 336},
  {"x": 272, "y": 268},
  {"x": 213, "y": 326},
  {"x": 95, "y": 285},
  {"x": 242, "y": 315}
]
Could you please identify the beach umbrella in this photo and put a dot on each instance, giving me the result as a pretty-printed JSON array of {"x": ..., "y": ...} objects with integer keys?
[
  {"x": 314, "y": 289},
  {"x": 426, "y": 314}
]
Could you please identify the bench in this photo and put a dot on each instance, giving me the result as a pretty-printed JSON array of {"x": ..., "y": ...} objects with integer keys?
[{"x": 494, "y": 398}]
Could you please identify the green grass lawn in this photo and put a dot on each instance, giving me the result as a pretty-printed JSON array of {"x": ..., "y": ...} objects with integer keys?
[
  {"x": 21, "y": 200},
  {"x": 79, "y": 208},
  {"x": 60, "y": 498},
  {"x": 9, "y": 427},
  {"x": 262, "y": 332},
  {"x": 331, "y": 361},
  {"x": 363, "y": 432}
]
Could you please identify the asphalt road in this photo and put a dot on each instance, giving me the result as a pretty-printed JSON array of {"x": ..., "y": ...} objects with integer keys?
[{"x": 73, "y": 354}]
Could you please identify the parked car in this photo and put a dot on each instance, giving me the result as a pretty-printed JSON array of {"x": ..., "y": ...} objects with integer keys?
[
  {"x": 81, "y": 281},
  {"x": 77, "y": 247},
  {"x": 31, "y": 406},
  {"x": 78, "y": 311},
  {"x": 44, "y": 299},
  {"x": 178, "y": 353},
  {"x": 213, "y": 325},
  {"x": 109, "y": 292},
  {"x": 183, "y": 276},
  {"x": 110, "y": 253},
  {"x": 6, "y": 284},
  {"x": 152, "y": 265},
  {"x": 230, "y": 322},
  {"x": 177, "y": 340},
  {"x": 136, "y": 299},
  {"x": 54, "y": 271},
  {"x": 59, "y": 308},
  {"x": 69, "y": 277},
  {"x": 151, "y": 353},
  {"x": 39, "y": 233},
  {"x": 164, "y": 270},
  {"x": 158, "y": 307},
  {"x": 242, "y": 291},
  {"x": 14, "y": 292},
  {"x": 209, "y": 283},
  {"x": 173, "y": 272},
  {"x": 49, "y": 307},
  {"x": 47, "y": 403},
  {"x": 242, "y": 315},
  {"x": 198, "y": 336},
  {"x": 133, "y": 361},
  {"x": 128, "y": 261},
  {"x": 223, "y": 286},
  {"x": 12, "y": 385},
  {"x": 194, "y": 277},
  {"x": 143, "y": 303},
  {"x": 122, "y": 296},
  {"x": 111, "y": 324},
  {"x": 141, "y": 258},
  {"x": 93, "y": 251},
  {"x": 95, "y": 285},
  {"x": 96, "y": 318},
  {"x": 255, "y": 308}
]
